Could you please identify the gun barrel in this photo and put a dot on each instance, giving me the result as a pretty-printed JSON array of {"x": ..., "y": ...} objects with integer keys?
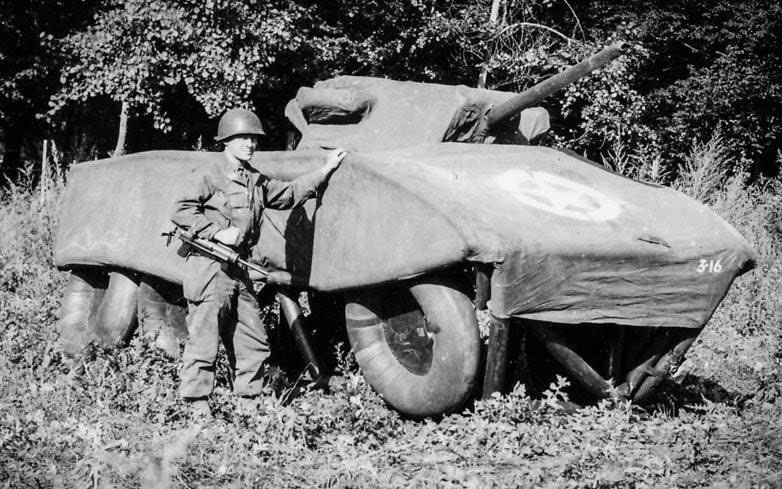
[
  {"x": 551, "y": 85},
  {"x": 252, "y": 266}
]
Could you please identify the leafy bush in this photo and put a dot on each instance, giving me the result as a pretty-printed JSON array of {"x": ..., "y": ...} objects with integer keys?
[{"x": 605, "y": 109}]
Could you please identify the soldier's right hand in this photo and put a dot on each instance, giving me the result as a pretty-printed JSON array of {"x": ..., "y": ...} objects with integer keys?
[
  {"x": 224, "y": 286},
  {"x": 333, "y": 160},
  {"x": 228, "y": 236}
]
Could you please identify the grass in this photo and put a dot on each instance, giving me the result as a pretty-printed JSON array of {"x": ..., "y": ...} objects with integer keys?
[
  {"x": 118, "y": 423},
  {"x": 741, "y": 348}
]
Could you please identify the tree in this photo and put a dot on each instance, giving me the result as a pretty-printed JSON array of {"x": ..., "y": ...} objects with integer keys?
[
  {"x": 142, "y": 53},
  {"x": 28, "y": 71},
  {"x": 711, "y": 67},
  {"x": 139, "y": 52}
]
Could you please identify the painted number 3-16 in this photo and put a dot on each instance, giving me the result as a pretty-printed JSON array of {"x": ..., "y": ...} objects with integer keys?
[{"x": 710, "y": 266}]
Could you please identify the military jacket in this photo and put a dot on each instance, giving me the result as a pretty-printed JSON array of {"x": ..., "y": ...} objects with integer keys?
[{"x": 226, "y": 195}]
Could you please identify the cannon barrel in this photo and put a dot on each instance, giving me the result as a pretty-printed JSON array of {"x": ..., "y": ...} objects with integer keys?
[{"x": 531, "y": 96}]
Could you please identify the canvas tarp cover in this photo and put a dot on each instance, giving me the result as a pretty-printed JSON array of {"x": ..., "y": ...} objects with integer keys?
[
  {"x": 366, "y": 113},
  {"x": 570, "y": 241}
]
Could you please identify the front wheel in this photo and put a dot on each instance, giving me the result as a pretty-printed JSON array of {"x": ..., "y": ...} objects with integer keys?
[
  {"x": 603, "y": 360},
  {"x": 417, "y": 345}
]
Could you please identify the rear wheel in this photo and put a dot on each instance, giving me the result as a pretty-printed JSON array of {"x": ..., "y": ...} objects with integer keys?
[
  {"x": 417, "y": 345},
  {"x": 97, "y": 305},
  {"x": 162, "y": 314},
  {"x": 116, "y": 317},
  {"x": 81, "y": 299}
]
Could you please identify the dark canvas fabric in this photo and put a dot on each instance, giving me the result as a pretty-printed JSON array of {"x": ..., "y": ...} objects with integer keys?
[
  {"x": 570, "y": 241},
  {"x": 115, "y": 212},
  {"x": 387, "y": 114}
]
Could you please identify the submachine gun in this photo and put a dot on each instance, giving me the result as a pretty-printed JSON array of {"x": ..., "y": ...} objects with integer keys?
[
  {"x": 290, "y": 307},
  {"x": 223, "y": 253}
]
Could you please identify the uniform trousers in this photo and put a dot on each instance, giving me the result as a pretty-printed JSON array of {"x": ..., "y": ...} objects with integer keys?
[{"x": 221, "y": 305}]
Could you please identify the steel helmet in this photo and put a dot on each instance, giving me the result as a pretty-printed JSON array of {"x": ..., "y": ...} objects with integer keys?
[{"x": 239, "y": 121}]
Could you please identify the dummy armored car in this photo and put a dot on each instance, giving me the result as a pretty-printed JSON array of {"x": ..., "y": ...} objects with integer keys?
[{"x": 437, "y": 208}]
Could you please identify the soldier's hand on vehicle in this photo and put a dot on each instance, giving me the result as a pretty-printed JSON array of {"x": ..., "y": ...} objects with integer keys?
[
  {"x": 334, "y": 159},
  {"x": 228, "y": 236}
]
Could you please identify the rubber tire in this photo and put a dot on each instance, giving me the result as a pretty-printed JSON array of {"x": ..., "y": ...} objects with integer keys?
[
  {"x": 116, "y": 317},
  {"x": 82, "y": 296},
  {"x": 453, "y": 326},
  {"x": 162, "y": 302},
  {"x": 162, "y": 314},
  {"x": 97, "y": 306}
]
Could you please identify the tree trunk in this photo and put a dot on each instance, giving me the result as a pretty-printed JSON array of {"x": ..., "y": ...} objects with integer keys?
[
  {"x": 495, "y": 10},
  {"x": 119, "y": 149},
  {"x": 11, "y": 156}
]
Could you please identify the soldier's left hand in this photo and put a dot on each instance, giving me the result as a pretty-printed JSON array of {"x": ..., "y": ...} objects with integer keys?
[{"x": 256, "y": 276}]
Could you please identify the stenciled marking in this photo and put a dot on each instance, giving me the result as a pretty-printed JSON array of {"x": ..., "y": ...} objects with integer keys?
[
  {"x": 557, "y": 195},
  {"x": 710, "y": 266},
  {"x": 89, "y": 240}
]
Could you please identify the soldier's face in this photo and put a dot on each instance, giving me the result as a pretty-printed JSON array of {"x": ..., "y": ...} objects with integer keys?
[{"x": 242, "y": 146}]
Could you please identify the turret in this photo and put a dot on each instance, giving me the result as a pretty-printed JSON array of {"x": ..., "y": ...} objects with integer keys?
[{"x": 370, "y": 114}]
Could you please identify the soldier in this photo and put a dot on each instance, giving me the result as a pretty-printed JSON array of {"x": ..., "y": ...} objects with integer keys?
[{"x": 226, "y": 206}]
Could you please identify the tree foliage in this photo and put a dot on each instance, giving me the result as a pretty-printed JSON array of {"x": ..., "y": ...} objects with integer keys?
[
  {"x": 28, "y": 71},
  {"x": 234, "y": 53},
  {"x": 138, "y": 51},
  {"x": 711, "y": 67},
  {"x": 696, "y": 67}
]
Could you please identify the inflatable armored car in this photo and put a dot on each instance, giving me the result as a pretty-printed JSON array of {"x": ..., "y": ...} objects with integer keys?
[{"x": 436, "y": 212}]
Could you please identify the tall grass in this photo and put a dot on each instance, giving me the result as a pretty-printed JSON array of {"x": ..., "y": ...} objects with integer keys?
[
  {"x": 741, "y": 347},
  {"x": 30, "y": 285},
  {"x": 116, "y": 421}
]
